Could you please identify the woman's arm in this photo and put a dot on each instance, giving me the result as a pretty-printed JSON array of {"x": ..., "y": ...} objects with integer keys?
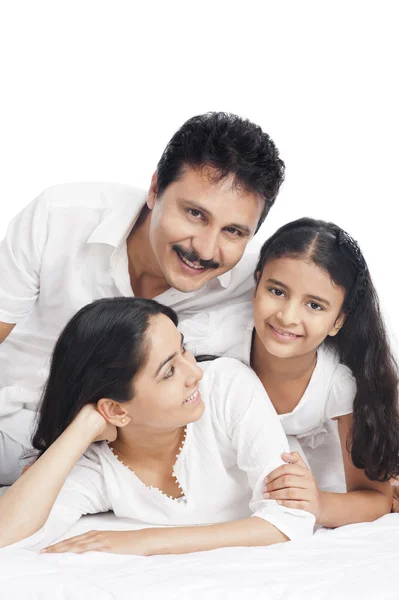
[{"x": 26, "y": 505}]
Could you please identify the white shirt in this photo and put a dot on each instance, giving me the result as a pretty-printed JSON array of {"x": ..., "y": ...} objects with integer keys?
[
  {"x": 225, "y": 457},
  {"x": 64, "y": 250},
  {"x": 329, "y": 394}
]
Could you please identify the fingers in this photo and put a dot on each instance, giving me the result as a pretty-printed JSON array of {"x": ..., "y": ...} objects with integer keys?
[
  {"x": 294, "y": 458},
  {"x": 283, "y": 470},
  {"x": 291, "y": 493},
  {"x": 289, "y": 481},
  {"x": 87, "y": 542},
  {"x": 299, "y": 505}
]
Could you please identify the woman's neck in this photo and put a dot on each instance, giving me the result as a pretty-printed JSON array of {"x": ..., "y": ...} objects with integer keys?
[
  {"x": 145, "y": 444},
  {"x": 267, "y": 365}
]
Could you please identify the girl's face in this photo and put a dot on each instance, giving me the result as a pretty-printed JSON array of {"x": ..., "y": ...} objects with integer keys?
[
  {"x": 296, "y": 306},
  {"x": 167, "y": 388}
]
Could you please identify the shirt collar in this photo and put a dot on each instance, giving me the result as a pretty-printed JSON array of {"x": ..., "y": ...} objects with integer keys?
[{"x": 118, "y": 222}]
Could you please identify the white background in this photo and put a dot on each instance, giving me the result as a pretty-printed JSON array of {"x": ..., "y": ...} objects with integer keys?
[{"x": 93, "y": 90}]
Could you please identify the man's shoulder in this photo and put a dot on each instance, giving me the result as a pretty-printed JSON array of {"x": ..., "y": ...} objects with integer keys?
[{"x": 92, "y": 195}]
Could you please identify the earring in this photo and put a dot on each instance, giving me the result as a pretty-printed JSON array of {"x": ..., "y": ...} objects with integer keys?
[{"x": 123, "y": 420}]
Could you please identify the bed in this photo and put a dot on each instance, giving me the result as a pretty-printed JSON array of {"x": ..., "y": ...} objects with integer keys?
[{"x": 356, "y": 561}]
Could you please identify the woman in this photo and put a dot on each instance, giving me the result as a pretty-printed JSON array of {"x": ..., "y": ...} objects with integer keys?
[{"x": 177, "y": 441}]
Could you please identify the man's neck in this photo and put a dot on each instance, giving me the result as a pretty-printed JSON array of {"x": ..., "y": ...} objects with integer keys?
[{"x": 146, "y": 278}]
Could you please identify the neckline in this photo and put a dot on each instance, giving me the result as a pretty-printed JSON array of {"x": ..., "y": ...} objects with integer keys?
[{"x": 182, "y": 500}]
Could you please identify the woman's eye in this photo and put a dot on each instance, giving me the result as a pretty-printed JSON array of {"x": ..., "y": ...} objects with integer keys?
[
  {"x": 276, "y": 292},
  {"x": 170, "y": 372},
  {"x": 315, "y": 306}
]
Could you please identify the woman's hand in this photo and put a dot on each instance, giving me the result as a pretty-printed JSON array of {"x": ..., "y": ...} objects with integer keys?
[
  {"x": 294, "y": 486},
  {"x": 102, "y": 430},
  {"x": 114, "y": 542}
]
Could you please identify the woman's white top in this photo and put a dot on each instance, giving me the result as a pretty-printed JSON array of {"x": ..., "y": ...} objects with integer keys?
[
  {"x": 329, "y": 394},
  {"x": 221, "y": 466}
]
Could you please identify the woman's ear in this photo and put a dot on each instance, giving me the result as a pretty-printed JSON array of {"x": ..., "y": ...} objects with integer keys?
[
  {"x": 113, "y": 412},
  {"x": 153, "y": 191},
  {"x": 339, "y": 323}
]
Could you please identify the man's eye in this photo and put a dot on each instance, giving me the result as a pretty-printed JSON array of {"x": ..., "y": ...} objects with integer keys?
[
  {"x": 234, "y": 231},
  {"x": 195, "y": 213}
]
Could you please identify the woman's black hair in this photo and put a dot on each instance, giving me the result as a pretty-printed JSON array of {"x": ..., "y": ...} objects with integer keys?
[
  {"x": 98, "y": 355},
  {"x": 362, "y": 343}
]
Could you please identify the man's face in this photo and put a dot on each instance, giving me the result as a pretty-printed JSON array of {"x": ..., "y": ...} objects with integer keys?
[{"x": 199, "y": 229}]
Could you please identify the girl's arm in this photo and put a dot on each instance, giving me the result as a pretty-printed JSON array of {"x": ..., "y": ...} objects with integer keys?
[
  {"x": 295, "y": 486},
  {"x": 26, "y": 505},
  {"x": 365, "y": 500}
]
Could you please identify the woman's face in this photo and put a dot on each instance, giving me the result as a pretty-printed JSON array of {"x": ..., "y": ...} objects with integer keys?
[
  {"x": 167, "y": 388},
  {"x": 296, "y": 306}
]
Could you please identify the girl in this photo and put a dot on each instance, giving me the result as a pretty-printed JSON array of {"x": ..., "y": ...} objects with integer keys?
[
  {"x": 318, "y": 344},
  {"x": 176, "y": 442}
]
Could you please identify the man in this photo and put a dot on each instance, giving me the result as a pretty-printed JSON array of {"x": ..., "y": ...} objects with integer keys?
[{"x": 180, "y": 243}]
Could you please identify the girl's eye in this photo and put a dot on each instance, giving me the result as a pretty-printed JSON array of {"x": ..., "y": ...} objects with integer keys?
[
  {"x": 315, "y": 306},
  {"x": 170, "y": 373},
  {"x": 276, "y": 292}
]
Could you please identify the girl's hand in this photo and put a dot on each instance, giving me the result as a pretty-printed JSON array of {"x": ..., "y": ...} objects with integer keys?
[
  {"x": 102, "y": 430},
  {"x": 294, "y": 486},
  {"x": 114, "y": 542}
]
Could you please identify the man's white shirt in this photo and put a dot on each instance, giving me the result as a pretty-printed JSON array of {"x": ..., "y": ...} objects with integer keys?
[{"x": 66, "y": 249}]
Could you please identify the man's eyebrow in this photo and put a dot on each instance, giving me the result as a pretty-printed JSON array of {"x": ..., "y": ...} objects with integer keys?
[{"x": 163, "y": 363}]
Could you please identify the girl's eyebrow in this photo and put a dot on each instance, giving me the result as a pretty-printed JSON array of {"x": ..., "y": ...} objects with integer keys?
[
  {"x": 163, "y": 363},
  {"x": 281, "y": 284}
]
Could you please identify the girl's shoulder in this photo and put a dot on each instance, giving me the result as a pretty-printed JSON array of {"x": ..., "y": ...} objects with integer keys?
[{"x": 341, "y": 390}]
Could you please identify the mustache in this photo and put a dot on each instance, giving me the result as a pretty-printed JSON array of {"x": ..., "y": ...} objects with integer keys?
[{"x": 192, "y": 256}]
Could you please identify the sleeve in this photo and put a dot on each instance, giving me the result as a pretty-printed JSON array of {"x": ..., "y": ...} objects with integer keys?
[
  {"x": 219, "y": 332},
  {"x": 253, "y": 426},
  {"x": 84, "y": 492},
  {"x": 341, "y": 394},
  {"x": 20, "y": 260}
]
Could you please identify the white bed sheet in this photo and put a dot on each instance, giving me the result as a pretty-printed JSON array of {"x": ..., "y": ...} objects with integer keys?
[{"x": 357, "y": 561}]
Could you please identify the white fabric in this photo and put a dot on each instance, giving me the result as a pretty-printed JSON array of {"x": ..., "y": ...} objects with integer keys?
[
  {"x": 64, "y": 250},
  {"x": 10, "y": 456},
  {"x": 221, "y": 467},
  {"x": 329, "y": 394},
  {"x": 356, "y": 561}
]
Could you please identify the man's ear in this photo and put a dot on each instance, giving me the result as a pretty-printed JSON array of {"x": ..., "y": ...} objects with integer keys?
[
  {"x": 113, "y": 412},
  {"x": 339, "y": 323},
  {"x": 153, "y": 191}
]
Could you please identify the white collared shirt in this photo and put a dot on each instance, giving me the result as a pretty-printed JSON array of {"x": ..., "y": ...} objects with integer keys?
[
  {"x": 220, "y": 468},
  {"x": 66, "y": 249}
]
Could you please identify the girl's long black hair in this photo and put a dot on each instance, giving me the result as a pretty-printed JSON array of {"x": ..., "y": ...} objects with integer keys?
[
  {"x": 97, "y": 355},
  {"x": 362, "y": 343}
]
